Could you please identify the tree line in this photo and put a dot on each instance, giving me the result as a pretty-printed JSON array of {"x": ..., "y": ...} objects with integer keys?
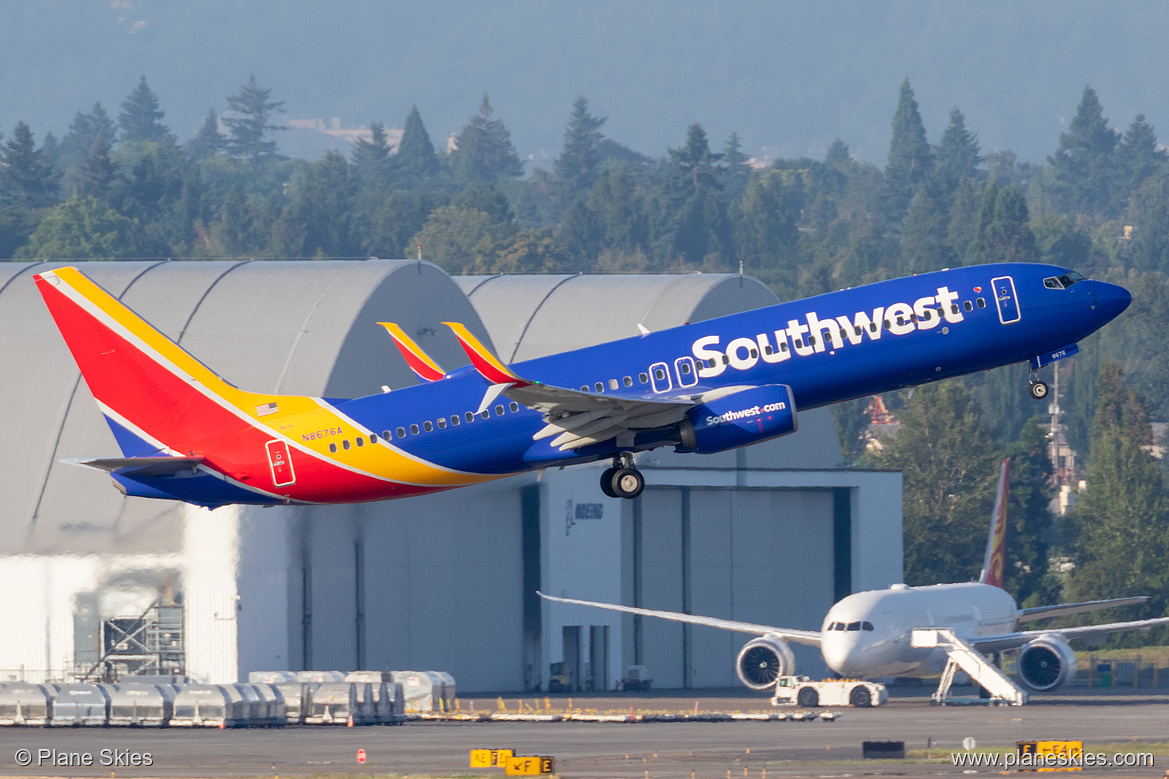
[{"x": 128, "y": 188}]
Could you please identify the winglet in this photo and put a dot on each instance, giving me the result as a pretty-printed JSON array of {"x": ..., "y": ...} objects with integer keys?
[
  {"x": 992, "y": 564},
  {"x": 418, "y": 360},
  {"x": 488, "y": 365}
]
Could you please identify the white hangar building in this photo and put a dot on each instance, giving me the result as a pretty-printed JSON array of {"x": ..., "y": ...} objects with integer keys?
[{"x": 771, "y": 534}]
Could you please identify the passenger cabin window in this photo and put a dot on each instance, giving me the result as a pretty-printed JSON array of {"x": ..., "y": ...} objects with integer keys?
[
  {"x": 644, "y": 378},
  {"x": 514, "y": 407},
  {"x": 499, "y": 410},
  {"x": 613, "y": 384},
  {"x": 684, "y": 368},
  {"x": 981, "y": 303},
  {"x": 968, "y": 305},
  {"x": 455, "y": 420},
  {"x": 413, "y": 429},
  {"x": 361, "y": 441},
  {"x": 402, "y": 432},
  {"x": 427, "y": 426},
  {"x": 386, "y": 435},
  {"x": 333, "y": 448},
  {"x": 441, "y": 422},
  {"x": 627, "y": 381},
  {"x": 469, "y": 416},
  {"x": 373, "y": 438},
  {"x": 660, "y": 374},
  {"x": 599, "y": 387},
  {"x": 486, "y": 414},
  {"x": 345, "y": 444}
]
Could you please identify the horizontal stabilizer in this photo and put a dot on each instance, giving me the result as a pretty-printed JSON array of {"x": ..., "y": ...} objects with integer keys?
[
  {"x": 1065, "y": 609},
  {"x": 142, "y": 466},
  {"x": 418, "y": 360}
]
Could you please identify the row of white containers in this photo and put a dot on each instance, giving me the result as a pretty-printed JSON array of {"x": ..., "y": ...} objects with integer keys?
[
  {"x": 329, "y": 698},
  {"x": 423, "y": 690}
]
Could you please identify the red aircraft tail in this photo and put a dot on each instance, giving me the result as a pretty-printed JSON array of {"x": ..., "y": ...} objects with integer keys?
[{"x": 992, "y": 564}]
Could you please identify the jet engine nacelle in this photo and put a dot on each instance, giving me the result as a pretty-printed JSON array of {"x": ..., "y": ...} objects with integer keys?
[
  {"x": 763, "y": 660},
  {"x": 1046, "y": 663},
  {"x": 740, "y": 418}
]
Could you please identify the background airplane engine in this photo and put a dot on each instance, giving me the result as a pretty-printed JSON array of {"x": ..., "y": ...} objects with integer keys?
[
  {"x": 1046, "y": 663},
  {"x": 763, "y": 660},
  {"x": 740, "y": 418}
]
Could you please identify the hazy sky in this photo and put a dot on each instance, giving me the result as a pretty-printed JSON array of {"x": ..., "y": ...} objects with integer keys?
[{"x": 789, "y": 77}]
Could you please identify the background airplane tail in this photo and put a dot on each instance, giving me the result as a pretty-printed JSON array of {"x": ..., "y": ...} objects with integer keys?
[
  {"x": 992, "y": 563},
  {"x": 156, "y": 397}
]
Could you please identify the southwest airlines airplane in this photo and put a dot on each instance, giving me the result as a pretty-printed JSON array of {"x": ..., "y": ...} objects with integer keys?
[
  {"x": 186, "y": 434},
  {"x": 869, "y": 634}
]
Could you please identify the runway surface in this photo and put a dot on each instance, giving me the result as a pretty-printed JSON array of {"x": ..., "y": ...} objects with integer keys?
[{"x": 610, "y": 750}]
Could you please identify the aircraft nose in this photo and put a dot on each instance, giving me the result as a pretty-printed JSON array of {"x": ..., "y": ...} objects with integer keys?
[
  {"x": 837, "y": 654},
  {"x": 1109, "y": 300}
]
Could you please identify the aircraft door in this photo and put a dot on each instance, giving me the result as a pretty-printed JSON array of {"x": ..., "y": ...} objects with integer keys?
[
  {"x": 659, "y": 377},
  {"x": 1005, "y": 299},
  {"x": 280, "y": 462},
  {"x": 687, "y": 373}
]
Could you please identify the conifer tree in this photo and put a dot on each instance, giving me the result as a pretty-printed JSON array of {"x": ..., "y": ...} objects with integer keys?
[
  {"x": 26, "y": 180},
  {"x": 249, "y": 124},
  {"x": 1137, "y": 156},
  {"x": 97, "y": 173},
  {"x": 694, "y": 161},
  {"x": 484, "y": 152},
  {"x": 956, "y": 157},
  {"x": 580, "y": 159},
  {"x": 141, "y": 118},
  {"x": 415, "y": 162},
  {"x": 208, "y": 141},
  {"x": 371, "y": 159},
  {"x": 1004, "y": 229},
  {"x": 909, "y": 153},
  {"x": 1118, "y": 532},
  {"x": 84, "y": 132},
  {"x": 1084, "y": 165},
  {"x": 736, "y": 168}
]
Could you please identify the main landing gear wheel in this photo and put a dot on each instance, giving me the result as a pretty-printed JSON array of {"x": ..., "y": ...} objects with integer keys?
[
  {"x": 860, "y": 697},
  {"x": 623, "y": 480},
  {"x": 1038, "y": 390},
  {"x": 607, "y": 481}
]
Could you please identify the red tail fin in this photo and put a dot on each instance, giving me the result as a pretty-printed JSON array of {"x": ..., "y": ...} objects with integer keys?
[{"x": 992, "y": 564}]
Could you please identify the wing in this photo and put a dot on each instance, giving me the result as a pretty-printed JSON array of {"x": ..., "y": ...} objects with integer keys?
[
  {"x": 1091, "y": 633},
  {"x": 1063, "y": 609},
  {"x": 576, "y": 418},
  {"x": 809, "y": 637}
]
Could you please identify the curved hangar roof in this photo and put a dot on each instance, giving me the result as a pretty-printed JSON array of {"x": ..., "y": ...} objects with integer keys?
[
  {"x": 295, "y": 327},
  {"x": 533, "y": 316}
]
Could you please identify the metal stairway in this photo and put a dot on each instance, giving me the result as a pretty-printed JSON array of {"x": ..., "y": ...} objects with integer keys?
[{"x": 965, "y": 657}]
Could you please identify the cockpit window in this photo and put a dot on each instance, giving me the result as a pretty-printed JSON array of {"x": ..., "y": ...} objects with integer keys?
[
  {"x": 866, "y": 625},
  {"x": 1062, "y": 282},
  {"x": 854, "y": 626},
  {"x": 836, "y": 626}
]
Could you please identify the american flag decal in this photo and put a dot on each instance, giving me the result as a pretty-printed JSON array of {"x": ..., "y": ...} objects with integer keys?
[{"x": 266, "y": 409}]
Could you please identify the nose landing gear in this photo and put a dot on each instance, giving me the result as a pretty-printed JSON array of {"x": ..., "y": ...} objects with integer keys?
[
  {"x": 622, "y": 480},
  {"x": 1037, "y": 389}
]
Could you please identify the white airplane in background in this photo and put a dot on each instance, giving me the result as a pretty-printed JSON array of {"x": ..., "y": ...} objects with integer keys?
[{"x": 870, "y": 634}]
